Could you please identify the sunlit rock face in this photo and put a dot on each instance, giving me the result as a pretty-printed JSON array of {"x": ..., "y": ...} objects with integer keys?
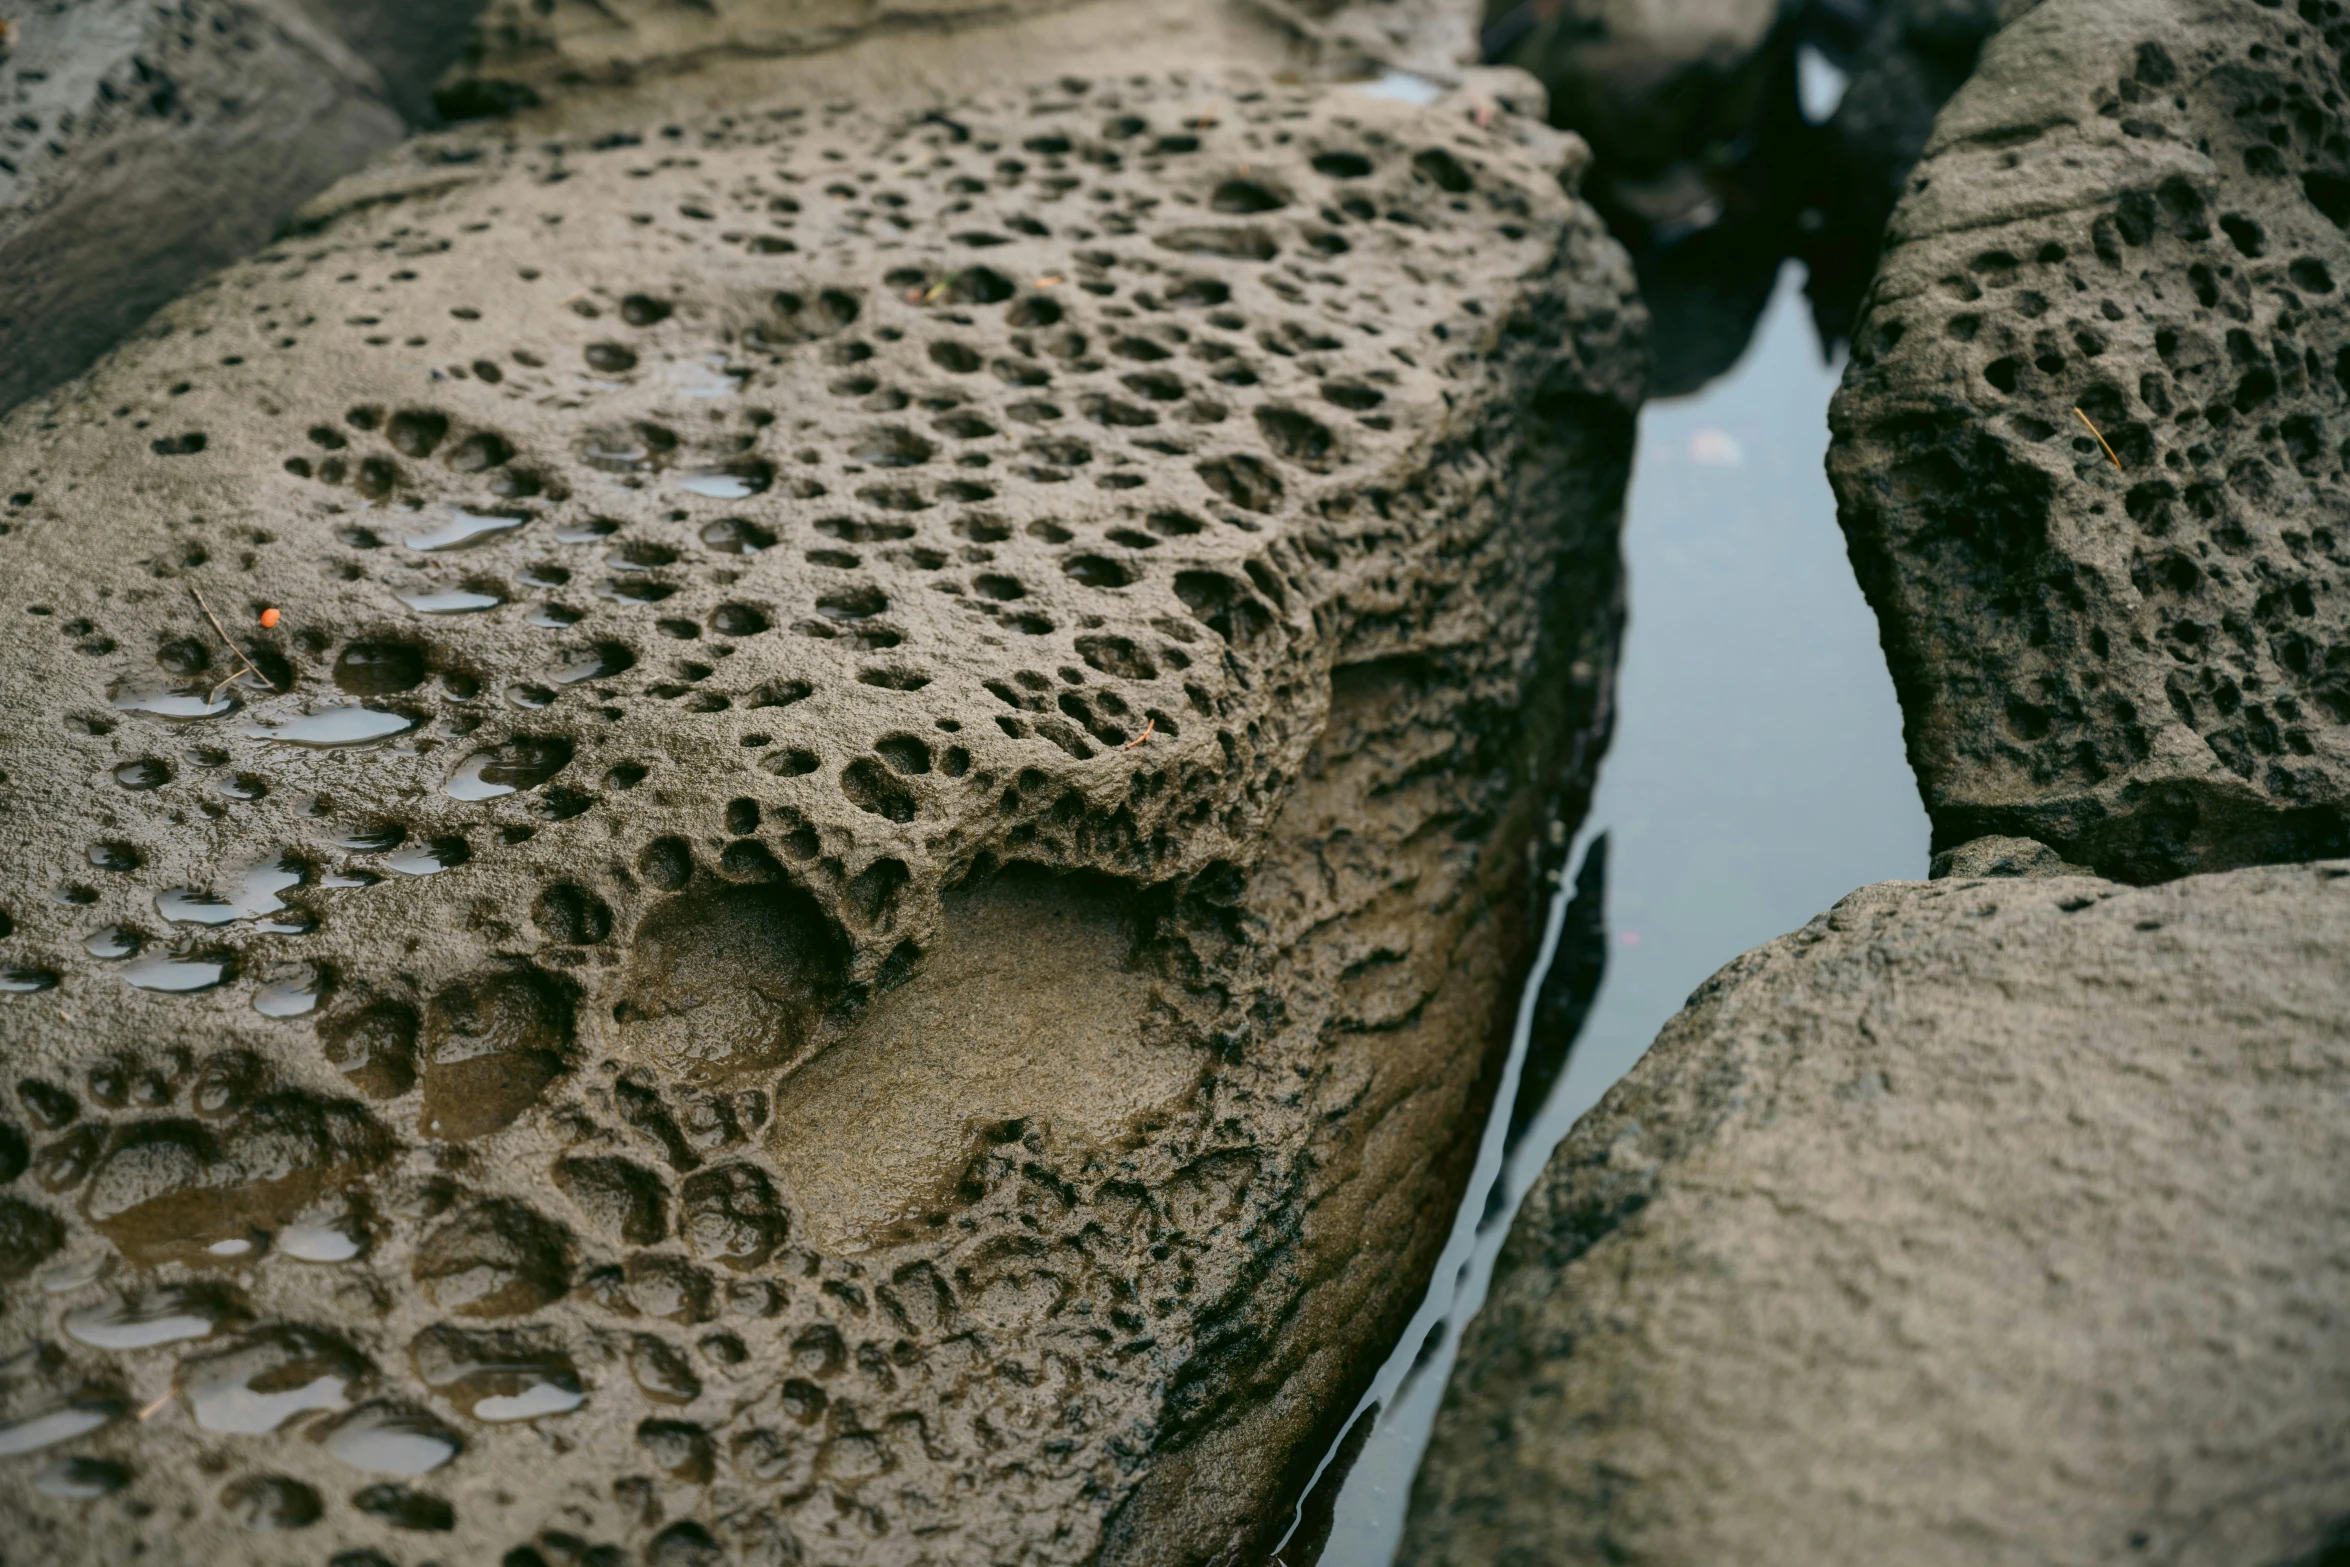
[{"x": 865, "y": 898}]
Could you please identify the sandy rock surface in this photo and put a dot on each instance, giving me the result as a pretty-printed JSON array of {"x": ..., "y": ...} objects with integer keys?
[
  {"x": 866, "y": 899},
  {"x": 1977, "y": 1221},
  {"x": 2133, "y": 210}
]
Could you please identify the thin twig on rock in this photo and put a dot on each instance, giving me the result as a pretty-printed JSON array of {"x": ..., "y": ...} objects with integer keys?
[
  {"x": 2100, "y": 434},
  {"x": 249, "y": 667}
]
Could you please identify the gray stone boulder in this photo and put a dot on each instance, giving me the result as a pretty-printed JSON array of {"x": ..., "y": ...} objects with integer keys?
[
  {"x": 142, "y": 146},
  {"x": 2089, "y": 452},
  {"x": 803, "y": 835},
  {"x": 1974, "y": 1222}
]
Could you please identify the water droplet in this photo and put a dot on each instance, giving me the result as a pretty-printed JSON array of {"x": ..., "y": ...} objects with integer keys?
[
  {"x": 74, "y": 1273},
  {"x": 181, "y": 973},
  {"x": 328, "y": 1241},
  {"x": 257, "y": 895},
  {"x": 145, "y": 773},
  {"x": 290, "y": 990},
  {"x": 465, "y": 529},
  {"x": 373, "y": 838},
  {"x": 553, "y": 617},
  {"x": 22, "y": 979},
  {"x": 587, "y": 532},
  {"x": 450, "y": 601},
  {"x": 258, "y": 1386},
  {"x": 170, "y": 1314},
  {"x": 529, "y": 696},
  {"x": 336, "y": 726},
  {"x": 386, "y": 1439},
  {"x": 600, "y": 662},
  {"x": 234, "y": 1246},
  {"x": 522, "y": 763},
  {"x": 343, "y": 879},
  {"x": 722, "y": 484},
  {"x": 497, "y": 1377},
  {"x": 111, "y": 942},
  {"x": 423, "y": 859},
  {"x": 708, "y": 376},
  {"x": 55, "y": 1425},
  {"x": 180, "y": 704}
]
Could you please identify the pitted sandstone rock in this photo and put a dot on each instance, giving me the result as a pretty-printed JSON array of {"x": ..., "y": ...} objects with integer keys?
[
  {"x": 2134, "y": 211},
  {"x": 1975, "y": 1221},
  {"x": 885, "y": 866}
]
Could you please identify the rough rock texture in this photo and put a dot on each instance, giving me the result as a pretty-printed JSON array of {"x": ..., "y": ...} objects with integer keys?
[
  {"x": 2134, "y": 210},
  {"x": 886, "y": 860},
  {"x": 1974, "y": 1222}
]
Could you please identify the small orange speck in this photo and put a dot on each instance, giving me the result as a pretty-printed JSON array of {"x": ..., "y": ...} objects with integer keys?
[{"x": 269, "y": 619}]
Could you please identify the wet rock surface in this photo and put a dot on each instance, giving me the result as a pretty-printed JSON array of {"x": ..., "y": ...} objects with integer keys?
[
  {"x": 876, "y": 874},
  {"x": 1977, "y": 1220},
  {"x": 2126, "y": 233},
  {"x": 142, "y": 146}
]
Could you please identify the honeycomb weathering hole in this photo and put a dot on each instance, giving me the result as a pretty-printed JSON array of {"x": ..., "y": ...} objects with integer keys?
[{"x": 729, "y": 980}]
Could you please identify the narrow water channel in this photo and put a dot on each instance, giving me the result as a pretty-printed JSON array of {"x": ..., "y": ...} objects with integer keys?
[{"x": 1756, "y": 776}]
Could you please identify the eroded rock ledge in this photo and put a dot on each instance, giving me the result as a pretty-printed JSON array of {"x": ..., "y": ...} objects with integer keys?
[
  {"x": 2127, "y": 232},
  {"x": 886, "y": 859},
  {"x": 1975, "y": 1221}
]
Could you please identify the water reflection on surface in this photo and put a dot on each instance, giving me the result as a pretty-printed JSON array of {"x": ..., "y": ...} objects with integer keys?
[{"x": 1755, "y": 777}]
